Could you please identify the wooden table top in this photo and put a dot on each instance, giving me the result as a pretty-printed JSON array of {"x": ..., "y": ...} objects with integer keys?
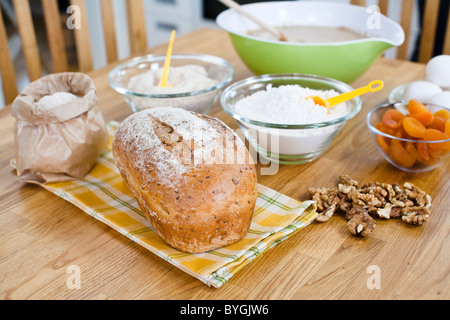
[{"x": 42, "y": 235}]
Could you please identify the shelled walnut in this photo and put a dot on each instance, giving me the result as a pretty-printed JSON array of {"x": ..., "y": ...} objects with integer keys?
[
  {"x": 326, "y": 200},
  {"x": 361, "y": 205},
  {"x": 361, "y": 223}
]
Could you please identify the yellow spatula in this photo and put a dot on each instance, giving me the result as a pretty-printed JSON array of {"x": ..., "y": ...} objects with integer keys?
[
  {"x": 163, "y": 83},
  {"x": 374, "y": 86}
]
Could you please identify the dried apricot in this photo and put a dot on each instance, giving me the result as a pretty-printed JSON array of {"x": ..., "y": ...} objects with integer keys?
[
  {"x": 383, "y": 143},
  {"x": 416, "y": 107},
  {"x": 447, "y": 128},
  {"x": 412, "y": 150},
  {"x": 400, "y": 156},
  {"x": 393, "y": 119},
  {"x": 435, "y": 153},
  {"x": 438, "y": 123},
  {"x": 443, "y": 114},
  {"x": 422, "y": 148},
  {"x": 426, "y": 117},
  {"x": 381, "y": 127},
  {"x": 402, "y": 134},
  {"x": 435, "y": 135},
  {"x": 430, "y": 161},
  {"x": 414, "y": 127}
]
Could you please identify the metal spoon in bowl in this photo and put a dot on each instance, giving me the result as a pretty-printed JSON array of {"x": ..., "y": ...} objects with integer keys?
[
  {"x": 374, "y": 86},
  {"x": 233, "y": 5}
]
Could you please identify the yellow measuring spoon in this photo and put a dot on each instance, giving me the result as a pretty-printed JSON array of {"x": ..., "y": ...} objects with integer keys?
[
  {"x": 163, "y": 83},
  {"x": 374, "y": 86}
]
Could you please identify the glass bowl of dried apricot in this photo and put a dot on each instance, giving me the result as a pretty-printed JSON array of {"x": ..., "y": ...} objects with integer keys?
[{"x": 413, "y": 137}]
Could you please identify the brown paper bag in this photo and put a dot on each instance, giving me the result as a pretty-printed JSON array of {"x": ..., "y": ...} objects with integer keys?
[{"x": 60, "y": 143}]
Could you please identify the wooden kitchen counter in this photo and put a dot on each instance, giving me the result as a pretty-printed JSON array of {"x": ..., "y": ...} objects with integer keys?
[{"x": 41, "y": 235}]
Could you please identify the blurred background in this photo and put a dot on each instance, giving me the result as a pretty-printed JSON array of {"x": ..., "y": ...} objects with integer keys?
[{"x": 161, "y": 17}]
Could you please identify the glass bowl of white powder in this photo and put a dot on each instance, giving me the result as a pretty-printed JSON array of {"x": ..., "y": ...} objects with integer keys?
[
  {"x": 195, "y": 80},
  {"x": 279, "y": 120}
]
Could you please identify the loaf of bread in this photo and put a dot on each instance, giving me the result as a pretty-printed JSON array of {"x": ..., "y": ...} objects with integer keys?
[{"x": 192, "y": 176}]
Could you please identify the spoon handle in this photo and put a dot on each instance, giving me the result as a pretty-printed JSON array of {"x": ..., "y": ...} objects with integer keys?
[
  {"x": 374, "y": 86},
  {"x": 233, "y": 5},
  {"x": 163, "y": 83}
]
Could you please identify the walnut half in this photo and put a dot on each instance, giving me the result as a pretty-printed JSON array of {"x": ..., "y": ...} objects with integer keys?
[
  {"x": 415, "y": 215},
  {"x": 361, "y": 224}
]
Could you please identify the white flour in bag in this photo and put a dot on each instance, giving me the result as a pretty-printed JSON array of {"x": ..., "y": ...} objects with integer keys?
[
  {"x": 56, "y": 99},
  {"x": 289, "y": 105}
]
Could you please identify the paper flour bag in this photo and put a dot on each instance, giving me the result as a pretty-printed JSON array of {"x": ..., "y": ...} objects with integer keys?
[{"x": 59, "y": 130}]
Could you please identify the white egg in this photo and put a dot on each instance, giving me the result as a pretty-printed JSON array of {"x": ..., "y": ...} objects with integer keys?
[
  {"x": 441, "y": 99},
  {"x": 421, "y": 90},
  {"x": 438, "y": 71}
]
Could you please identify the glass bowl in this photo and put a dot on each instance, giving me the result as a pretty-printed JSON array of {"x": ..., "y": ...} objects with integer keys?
[
  {"x": 414, "y": 156},
  {"x": 397, "y": 94},
  {"x": 200, "y": 101},
  {"x": 289, "y": 144}
]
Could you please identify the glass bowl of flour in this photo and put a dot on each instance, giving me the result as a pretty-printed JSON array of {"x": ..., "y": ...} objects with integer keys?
[
  {"x": 279, "y": 120},
  {"x": 195, "y": 81}
]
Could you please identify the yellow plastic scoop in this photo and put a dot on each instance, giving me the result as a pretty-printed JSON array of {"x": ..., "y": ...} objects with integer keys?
[
  {"x": 374, "y": 86},
  {"x": 163, "y": 83}
]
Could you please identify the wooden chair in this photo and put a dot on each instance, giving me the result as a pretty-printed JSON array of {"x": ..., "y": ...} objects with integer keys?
[
  {"x": 429, "y": 27},
  {"x": 137, "y": 35}
]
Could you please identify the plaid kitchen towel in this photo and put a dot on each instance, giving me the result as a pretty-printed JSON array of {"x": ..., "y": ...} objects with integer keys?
[{"x": 104, "y": 195}]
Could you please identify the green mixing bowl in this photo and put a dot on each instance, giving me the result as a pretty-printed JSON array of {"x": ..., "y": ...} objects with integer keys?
[{"x": 344, "y": 61}]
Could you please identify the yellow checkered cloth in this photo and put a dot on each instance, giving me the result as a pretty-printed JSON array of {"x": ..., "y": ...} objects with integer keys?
[{"x": 104, "y": 195}]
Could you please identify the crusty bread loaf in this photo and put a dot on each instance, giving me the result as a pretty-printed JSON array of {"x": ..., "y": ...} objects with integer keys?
[{"x": 192, "y": 176}]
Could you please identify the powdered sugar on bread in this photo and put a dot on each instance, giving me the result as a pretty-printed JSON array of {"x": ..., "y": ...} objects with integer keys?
[
  {"x": 139, "y": 137},
  {"x": 175, "y": 140}
]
